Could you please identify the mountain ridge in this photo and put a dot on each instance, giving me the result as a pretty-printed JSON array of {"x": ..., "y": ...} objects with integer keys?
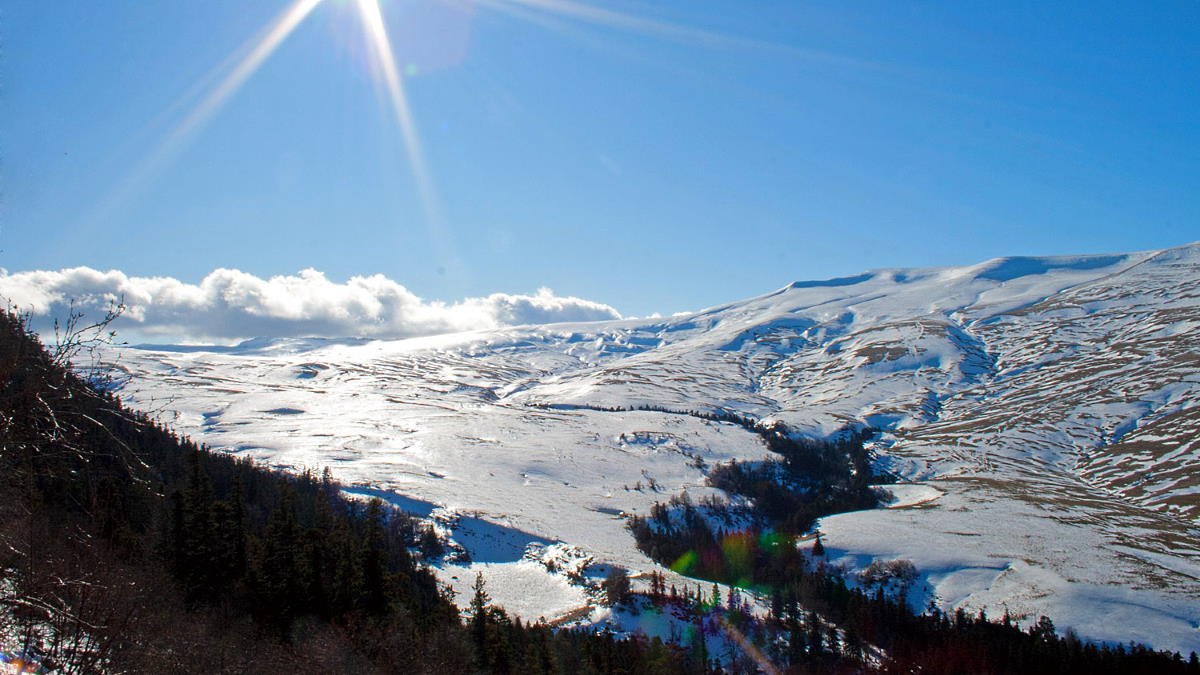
[{"x": 1054, "y": 412}]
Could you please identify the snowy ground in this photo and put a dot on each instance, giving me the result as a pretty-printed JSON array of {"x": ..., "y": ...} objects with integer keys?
[{"x": 1044, "y": 411}]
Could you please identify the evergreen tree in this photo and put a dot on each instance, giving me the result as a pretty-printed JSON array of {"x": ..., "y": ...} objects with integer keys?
[
  {"x": 616, "y": 586},
  {"x": 375, "y": 592},
  {"x": 480, "y": 602}
]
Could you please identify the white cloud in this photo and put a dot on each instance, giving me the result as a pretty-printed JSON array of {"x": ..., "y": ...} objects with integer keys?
[{"x": 229, "y": 305}]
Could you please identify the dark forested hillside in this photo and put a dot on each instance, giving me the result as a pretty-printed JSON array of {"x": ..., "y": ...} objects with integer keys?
[
  {"x": 822, "y": 622},
  {"x": 126, "y": 549}
]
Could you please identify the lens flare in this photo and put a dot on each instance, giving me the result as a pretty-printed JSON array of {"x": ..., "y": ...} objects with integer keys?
[
  {"x": 19, "y": 663},
  {"x": 748, "y": 647},
  {"x": 732, "y": 557},
  {"x": 685, "y": 563}
]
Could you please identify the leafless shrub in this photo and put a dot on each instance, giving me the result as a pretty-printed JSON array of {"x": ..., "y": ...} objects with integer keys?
[{"x": 881, "y": 573}]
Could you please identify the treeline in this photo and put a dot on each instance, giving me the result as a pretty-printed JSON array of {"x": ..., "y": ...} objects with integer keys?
[
  {"x": 282, "y": 547},
  {"x": 815, "y": 623},
  {"x": 786, "y": 495},
  {"x": 505, "y": 646},
  {"x": 126, "y": 549},
  {"x": 809, "y": 480},
  {"x": 721, "y": 416},
  {"x": 824, "y": 624}
]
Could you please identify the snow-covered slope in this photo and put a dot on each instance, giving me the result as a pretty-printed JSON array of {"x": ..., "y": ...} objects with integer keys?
[{"x": 1046, "y": 406}]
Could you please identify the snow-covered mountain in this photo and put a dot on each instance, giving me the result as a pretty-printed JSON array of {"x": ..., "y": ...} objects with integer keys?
[{"x": 1045, "y": 411}]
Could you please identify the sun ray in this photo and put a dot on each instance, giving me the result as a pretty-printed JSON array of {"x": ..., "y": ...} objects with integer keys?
[
  {"x": 270, "y": 40},
  {"x": 382, "y": 47},
  {"x": 215, "y": 90},
  {"x": 628, "y": 22},
  {"x": 256, "y": 51},
  {"x": 576, "y": 30},
  {"x": 439, "y": 234},
  {"x": 598, "y": 16}
]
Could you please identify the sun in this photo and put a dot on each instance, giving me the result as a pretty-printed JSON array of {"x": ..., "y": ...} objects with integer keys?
[{"x": 236, "y": 70}]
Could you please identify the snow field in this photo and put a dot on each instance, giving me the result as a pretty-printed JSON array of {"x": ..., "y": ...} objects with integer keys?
[{"x": 1046, "y": 409}]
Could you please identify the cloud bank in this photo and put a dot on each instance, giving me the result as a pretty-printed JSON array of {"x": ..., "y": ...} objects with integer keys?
[{"x": 229, "y": 305}]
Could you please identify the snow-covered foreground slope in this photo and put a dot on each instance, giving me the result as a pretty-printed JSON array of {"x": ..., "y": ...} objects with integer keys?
[{"x": 1045, "y": 408}]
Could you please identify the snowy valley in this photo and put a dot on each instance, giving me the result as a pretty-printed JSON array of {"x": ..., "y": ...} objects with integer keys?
[{"x": 1041, "y": 414}]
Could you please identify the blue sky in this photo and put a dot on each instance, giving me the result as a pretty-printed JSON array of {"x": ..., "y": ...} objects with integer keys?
[{"x": 650, "y": 166}]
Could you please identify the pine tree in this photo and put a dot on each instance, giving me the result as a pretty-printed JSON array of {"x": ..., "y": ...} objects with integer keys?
[
  {"x": 616, "y": 586},
  {"x": 280, "y": 565},
  {"x": 375, "y": 592},
  {"x": 776, "y": 604},
  {"x": 203, "y": 552},
  {"x": 815, "y": 634},
  {"x": 480, "y": 602},
  {"x": 347, "y": 585},
  {"x": 796, "y": 642},
  {"x": 237, "y": 533},
  {"x": 699, "y": 647},
  {"x": 500, "y": 653}
]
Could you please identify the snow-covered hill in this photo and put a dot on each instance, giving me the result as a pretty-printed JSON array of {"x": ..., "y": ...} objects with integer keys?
[{"x": 1046, "y": 410}]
